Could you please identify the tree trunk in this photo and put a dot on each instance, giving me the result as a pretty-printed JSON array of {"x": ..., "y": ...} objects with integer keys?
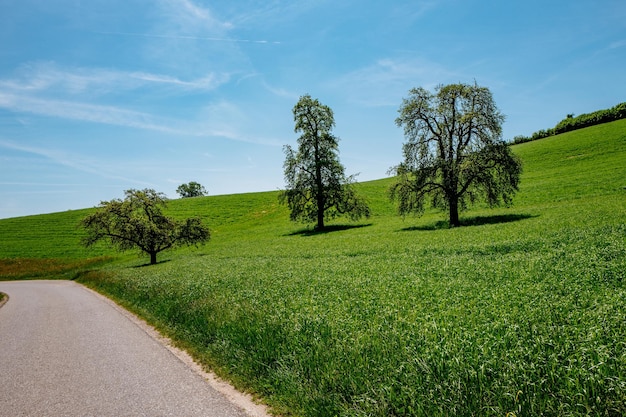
[
  {"x": 320, "y": 218},
  {"x": 319, "y": 183},
  {"x": 153, "y": 259},
  {"x": 454, "y": 212}
]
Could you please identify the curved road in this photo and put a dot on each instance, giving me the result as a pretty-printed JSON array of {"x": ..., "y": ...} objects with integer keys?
[{"x": 66, "y": 351}]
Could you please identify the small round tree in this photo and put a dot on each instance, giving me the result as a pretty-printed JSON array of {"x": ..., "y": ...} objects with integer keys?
[
  {"x": 191, "y": 189},
  {"x": 137, "y": 222}
]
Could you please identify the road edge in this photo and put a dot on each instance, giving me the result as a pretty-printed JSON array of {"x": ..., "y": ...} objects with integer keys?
[{"x": 241, "y": 400}]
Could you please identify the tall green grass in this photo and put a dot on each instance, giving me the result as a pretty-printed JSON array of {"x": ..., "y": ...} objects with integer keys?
[{"x": 522, "y": 312}]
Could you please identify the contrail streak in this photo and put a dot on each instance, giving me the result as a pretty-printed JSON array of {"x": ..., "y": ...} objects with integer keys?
[{"x": 201, "y": 38}]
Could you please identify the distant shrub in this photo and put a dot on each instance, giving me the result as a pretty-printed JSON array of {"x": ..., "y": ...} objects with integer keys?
[
  {"x": 542, "y": 134},
  {"x": 581, "y": 121},
  {"x": 591, "y": 119},
  {"x": 521, "y": 139}
]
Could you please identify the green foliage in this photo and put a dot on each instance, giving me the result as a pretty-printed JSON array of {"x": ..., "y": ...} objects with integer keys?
[
  {"x": 137, "y": 222},
  {"x": 579, "y": 122},
  {"x": 191, "y": 189},
  {"x": 317, "y": 188},
  {"x": 453, "y": 155},
  {"x": 522, "y": 312},
  {"x": 591, "y": 119}
]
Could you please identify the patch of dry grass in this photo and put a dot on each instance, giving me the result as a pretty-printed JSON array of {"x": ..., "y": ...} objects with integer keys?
[{"x": 29, "y": 268}]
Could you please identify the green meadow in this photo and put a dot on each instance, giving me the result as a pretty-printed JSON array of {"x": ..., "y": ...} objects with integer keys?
[{"x": 520, "y": 312}]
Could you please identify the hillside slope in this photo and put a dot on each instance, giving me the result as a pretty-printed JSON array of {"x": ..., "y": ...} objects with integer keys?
[
  {"x": 583, "y": 163},
  {"x": 521, "y": 312}
]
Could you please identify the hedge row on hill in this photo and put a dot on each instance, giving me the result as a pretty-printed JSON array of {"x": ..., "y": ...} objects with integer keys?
[{"x": 572, "y": 123}]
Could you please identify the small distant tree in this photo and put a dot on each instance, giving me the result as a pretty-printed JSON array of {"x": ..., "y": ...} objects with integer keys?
[
  {"x": 454, "y": 154},
  {"x": 137, "y": 222},
  {"x": 191, "y": 189},
  {"x": 317, "y": 188}
]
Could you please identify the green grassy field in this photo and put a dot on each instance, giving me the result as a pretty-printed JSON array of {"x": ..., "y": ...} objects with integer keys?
[{"x": 522, "y": 312}]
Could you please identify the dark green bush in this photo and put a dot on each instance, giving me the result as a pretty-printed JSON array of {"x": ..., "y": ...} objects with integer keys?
[{"x": 581, "y": 121}]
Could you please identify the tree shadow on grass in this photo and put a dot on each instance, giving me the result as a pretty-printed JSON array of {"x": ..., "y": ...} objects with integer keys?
[
  {"x": 472, "y": 221},
  {"x": 327, "y": 229},
  {"x": 149, "y": 264}
]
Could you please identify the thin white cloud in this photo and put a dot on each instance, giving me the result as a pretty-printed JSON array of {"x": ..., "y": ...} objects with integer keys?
[
  {"x": 43, "y": 184},
  {"x": 269, "y": 13},
  {"x": 189, "y": 16},
  {"x": 188, "y": 36},
  {"x": 192, "y": 9},
  {"x": 223, "y": 118},
  {"x": 415, "y": 10},
  {"x": 209, "y": 82},
  {"x": 45, "y": 76},
  {"x": 70, "y": 160},
  {"x": 228, "y": 120},
  {"x": 83, "y": 112},
  {"x": 387, "y": 80},
  {"x": 191, "y": 37},
  {"x": 281, "y": 92}
]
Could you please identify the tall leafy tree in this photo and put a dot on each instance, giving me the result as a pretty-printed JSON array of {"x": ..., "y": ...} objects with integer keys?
[
  {"x": 138, "y": 222},
  {"x": 454, "y": 154},
  {"x": 317, "y": 187}
]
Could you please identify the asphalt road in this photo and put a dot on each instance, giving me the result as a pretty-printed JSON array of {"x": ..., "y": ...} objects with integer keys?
[{"x": 66, "y": 351}]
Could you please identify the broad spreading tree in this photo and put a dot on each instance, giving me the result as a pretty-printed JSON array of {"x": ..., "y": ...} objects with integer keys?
[
  {"x": 454, "y": 154},
  {"x": 138, "y": 222},
  {"x": 191, "y": 189},
  {"x": 316, "y": 185}
]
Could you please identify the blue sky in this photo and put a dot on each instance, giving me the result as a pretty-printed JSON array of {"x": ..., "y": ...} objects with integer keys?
[{"x": 99, "y": 96}]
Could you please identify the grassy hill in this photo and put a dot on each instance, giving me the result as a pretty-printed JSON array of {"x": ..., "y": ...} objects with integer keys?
[{"x": 520, "y": 313}]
